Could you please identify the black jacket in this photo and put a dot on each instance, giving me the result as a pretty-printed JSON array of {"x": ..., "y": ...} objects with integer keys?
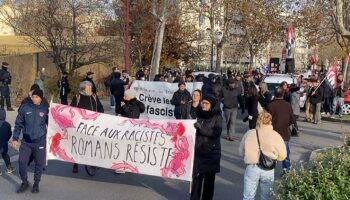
[
  {"x": 87, "y": 102},
  {"x": 252, "y": 106},
  {"x": 63, "y": 86},
  {"x": 265, "y": 99},
  {"x": 133, "y": 109},
  {"x": 208, "y": 146},
  {"x": 230, "y": 96},
  {"x": 181, "y": 109},
  {"x": 317, "y": 97},
  {"x": 5, "y": 128},
  {"x": 192, "y": 111},
  {"x": 117, "y": 86},
  {"x": 94, "y": 89}
]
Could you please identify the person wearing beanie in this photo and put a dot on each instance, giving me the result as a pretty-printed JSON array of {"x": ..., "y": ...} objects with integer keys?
[
  {"x": 207, "y": 149},
  {"x": 28, "y": 99},
  {"x": 87, "y": 100},
  {"x": 32, "y": 120},
  {"x": 5, "y": 81},
  {"x": 5, "y": 135},
  {"x": 180, "y": 100},
  {"x": 131, "y": 107}
]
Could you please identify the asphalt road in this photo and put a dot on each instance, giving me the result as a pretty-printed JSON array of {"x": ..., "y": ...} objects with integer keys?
[{"x": 59, "y": 183}]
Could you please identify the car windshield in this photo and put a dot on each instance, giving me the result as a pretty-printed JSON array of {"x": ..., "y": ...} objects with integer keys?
[{"x": 272, "y": 87}]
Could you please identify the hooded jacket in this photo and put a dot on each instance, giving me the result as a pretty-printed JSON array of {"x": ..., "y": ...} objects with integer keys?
[
  {"x": 5, "y": 128},
  {"x": 181, "y": 109},
  {"x": 208, "y": 146},
  {"x": 31, "y": 120}
]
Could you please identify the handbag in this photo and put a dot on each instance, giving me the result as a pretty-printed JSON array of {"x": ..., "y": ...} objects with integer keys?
[{"x": 265, "y": 163}]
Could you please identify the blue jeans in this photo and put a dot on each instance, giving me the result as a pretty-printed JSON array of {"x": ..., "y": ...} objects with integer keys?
[
  {"x": 286, "y": 162},
  {"x": 111, "y": 100},
  {"x": 338, "y": 101},
  {"x": 252, "y": 177}
]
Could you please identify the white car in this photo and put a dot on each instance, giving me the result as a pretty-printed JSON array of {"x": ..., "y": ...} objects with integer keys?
[{"x": 273, "y": 81}]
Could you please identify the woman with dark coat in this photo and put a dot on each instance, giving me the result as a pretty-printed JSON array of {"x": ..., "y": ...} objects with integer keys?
[
  {"x": 287, "y": 95},
  {"x": 87, "y": 100},
  {"x": 131, "y": 107},
  {"x": 265, "y": 96},
  {"x": 180, "y": 100},
  {"x": 252, "y": 106},
  {"x": 207, "y": 149},
  {"x": 194, "y": 104}
]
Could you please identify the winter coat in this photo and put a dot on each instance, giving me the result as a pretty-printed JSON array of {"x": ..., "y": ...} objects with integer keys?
[
  {"x": 287, "y": 96},
  {"x": 230, "y": 96},
  {"x": 94, "y": 89},
  {"x": 339, "y": 90},
  {"x": 207, "y": 88},
  {"x": 5, "y": 81},
  {"x": 117, "y": 87},
  {"x": 252, "y": 106},
  {"x": 192, "y": 111},
  {"x": 296, "y": 103},
  {"x": 265, "y": 99},
  {"x": 282, "y": 117},
  {"x": 87, "y": 102},
  {"x": 180, "y": 111},
  {"x": 133, "y": 109},
  {"x": 317, "y": 97},
  {"x": 208, "y": 147},
  {"x": 63, "y": 87},
  {"x": 44, "y": 102},
  {"x": 31, "y": 120},
  {"x": 5, "y": 128},
  {"x": 217, "y": 90}
]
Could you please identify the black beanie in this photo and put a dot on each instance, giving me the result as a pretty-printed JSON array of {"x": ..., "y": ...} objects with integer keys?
[
  {"x": 211, "y": 100},
  {"x": 34, "y": 87},
  {"x": 39, "y": 93}
]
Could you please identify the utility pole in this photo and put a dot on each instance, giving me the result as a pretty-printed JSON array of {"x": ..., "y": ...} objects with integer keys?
[{"x": 126, "y": 36}]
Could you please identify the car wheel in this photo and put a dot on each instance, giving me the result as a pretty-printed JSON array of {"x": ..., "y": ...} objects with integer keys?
[{"x": 346, "y": 109}]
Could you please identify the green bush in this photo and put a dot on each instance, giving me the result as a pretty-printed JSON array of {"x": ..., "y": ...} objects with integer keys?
[{"x": 326, "y": 177}]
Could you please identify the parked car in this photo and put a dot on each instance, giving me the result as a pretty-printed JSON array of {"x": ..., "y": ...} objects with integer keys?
[
  {"x": 346, "y": 107},
  {"x": 273, "y": 81}
]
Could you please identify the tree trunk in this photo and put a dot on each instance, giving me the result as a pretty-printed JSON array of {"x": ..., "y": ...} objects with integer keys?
[
  {"x": 157, "y": 49},
  {"x": 219, "y": 50},
  {"x": 346, "y": 71},
  {"x": 251, "y": 59}
]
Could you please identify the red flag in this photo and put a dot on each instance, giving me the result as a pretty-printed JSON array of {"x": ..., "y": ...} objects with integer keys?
[{"x": 331, "y": 76}]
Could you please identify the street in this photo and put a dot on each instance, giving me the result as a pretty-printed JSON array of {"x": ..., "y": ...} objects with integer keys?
[{"x": 58, "y": 182}]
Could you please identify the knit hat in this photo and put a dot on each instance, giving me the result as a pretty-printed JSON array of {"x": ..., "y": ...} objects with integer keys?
[
  {"x": 5, "y": 64},
  {"x": 211, "y": 100},
  {"x": 131, "y": 93},
  {"x": 89, "y": 73},
  {"x": 34, "y": 87},
  {"x": 39, "y": 93}
]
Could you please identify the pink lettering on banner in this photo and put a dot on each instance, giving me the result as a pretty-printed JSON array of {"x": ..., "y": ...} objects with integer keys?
[{"x": 124, "y": 166}]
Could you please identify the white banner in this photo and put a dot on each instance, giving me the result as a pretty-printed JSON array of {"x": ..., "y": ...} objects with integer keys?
[
  {"x": 157, "y": 96},
  {"x": 162, "y": 148}
]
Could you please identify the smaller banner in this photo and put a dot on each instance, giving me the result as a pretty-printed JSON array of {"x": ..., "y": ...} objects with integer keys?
[
  {"x": 157, "y": 96},
  {"x": 162, "y": 148}
]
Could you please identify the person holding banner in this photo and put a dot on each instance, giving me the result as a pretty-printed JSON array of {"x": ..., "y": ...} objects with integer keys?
[
  {"x": 87, "y": 100},
  {"x": 32, "y": 119},
  {"x": 131, "y": 107},
  {"x": 180, "y": 100},
  {"x": 207, "y": 149}
]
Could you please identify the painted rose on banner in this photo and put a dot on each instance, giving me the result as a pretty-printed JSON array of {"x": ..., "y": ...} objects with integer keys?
[{"x": 162, "y": 148}]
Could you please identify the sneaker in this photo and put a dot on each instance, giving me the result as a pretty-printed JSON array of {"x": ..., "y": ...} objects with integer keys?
[
  {"x": 323, "y": 113},
  {"x": 10, "y": 169},
  {"x": 333, "y": 117},
  {"x": 35, "y": 188},
  {"x": 75, "y": 168},
  {"x": 23, "y": 187}
]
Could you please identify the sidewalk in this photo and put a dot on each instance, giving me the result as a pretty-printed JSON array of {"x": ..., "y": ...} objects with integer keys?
[{"x": 344, "y": 119}]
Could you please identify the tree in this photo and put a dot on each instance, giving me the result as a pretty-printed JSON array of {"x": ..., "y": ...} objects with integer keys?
[{"x": 64, "y": 29}]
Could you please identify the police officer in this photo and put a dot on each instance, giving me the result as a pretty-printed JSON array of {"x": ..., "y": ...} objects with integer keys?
[
  {"x": 64, "y": 89},
  {"x": 5, "y": 81},
  {"x": 32, "y": 119}
]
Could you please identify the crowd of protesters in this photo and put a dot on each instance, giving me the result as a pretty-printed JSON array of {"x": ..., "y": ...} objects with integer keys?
[{"x": 269, "y": 114}]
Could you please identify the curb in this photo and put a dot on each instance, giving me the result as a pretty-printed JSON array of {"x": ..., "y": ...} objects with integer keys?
[{"x": 336, "y": 120}]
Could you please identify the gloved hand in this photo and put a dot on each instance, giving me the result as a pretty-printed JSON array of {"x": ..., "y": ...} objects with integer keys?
[
  {"x": 198, "y": 125},
  {"x": 250, "y": 117}
]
